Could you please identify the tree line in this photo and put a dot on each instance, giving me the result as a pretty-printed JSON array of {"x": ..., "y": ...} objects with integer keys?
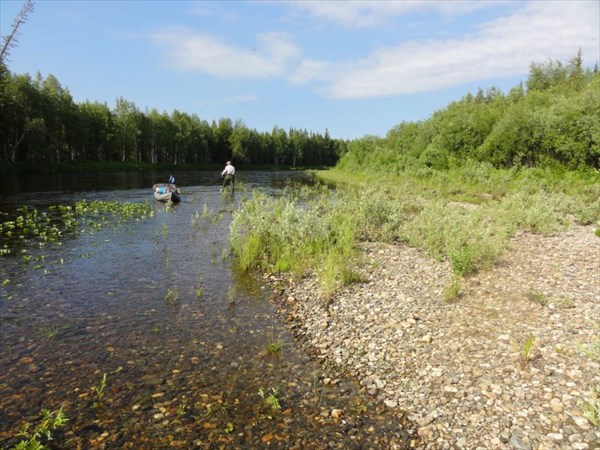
[
  {"x": 42, "y": 123},
  {"x": 551, "y": 120}
]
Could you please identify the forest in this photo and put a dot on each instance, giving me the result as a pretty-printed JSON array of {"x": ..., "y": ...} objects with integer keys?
[
  {"x": 42, "y": 123},
  {"x": 553, "y": 120}
]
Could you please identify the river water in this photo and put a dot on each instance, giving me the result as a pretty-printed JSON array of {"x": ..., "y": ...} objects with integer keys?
[{"x": 147, "y": 336}]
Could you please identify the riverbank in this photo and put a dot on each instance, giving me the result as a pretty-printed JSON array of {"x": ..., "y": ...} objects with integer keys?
[
  {"x": 118, "y": 166},
  {"x": 509, "y": 363}
]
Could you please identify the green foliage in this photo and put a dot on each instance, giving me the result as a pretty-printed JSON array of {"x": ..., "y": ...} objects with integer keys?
[
  {"x": 537, "y": 212},
  {"x": 528, "y": 352},
  {"x": 30, "y": 227},
  {"x": 43, "y": 124},
  {"x": 172, "y": 296},
  {"x": 553, "y": 123},
  {"x": 274, "y": 347},
  {"x": 465, "y": 215},
  {"x": 591, "y": 407},
  {"x": 464, "y": 236},
  {"x": 452, "y": 291},
  {"x": 296, "y": 232},
  {"x": 270, "y": 399},
  {"x": 99, "y": 390},
  {"x": 34, "y": 439}
]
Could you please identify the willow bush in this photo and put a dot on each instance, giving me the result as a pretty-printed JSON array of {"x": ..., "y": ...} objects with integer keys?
[{"x": 294, "y": 233}]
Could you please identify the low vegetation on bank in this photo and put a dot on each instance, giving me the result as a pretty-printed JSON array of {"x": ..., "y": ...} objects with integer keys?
[{"x": 466, "y": 216}]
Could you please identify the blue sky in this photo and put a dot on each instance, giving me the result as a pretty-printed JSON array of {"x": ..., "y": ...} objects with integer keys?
[{"x": 354, "y": 68}]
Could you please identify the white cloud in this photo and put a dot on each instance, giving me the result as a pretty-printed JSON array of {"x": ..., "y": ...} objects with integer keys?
[
  {"x": 190, "y": 51},
  {"x": 370, "y": 13},
  {"x": 503, "y": 47}
]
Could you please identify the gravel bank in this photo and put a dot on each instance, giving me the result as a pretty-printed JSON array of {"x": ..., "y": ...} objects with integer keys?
[{"x": 457, "y": 368}]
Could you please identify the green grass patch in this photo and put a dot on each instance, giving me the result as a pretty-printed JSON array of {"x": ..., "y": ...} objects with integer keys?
[{"x": 465, "y": 216}]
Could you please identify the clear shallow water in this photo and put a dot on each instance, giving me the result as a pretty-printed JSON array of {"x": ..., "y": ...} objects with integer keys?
[{"x": 183, "y": 370}]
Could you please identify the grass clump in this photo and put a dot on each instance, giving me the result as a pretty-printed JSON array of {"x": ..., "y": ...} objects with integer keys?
[
  {"x": 528, "y": 352},
  {"x": 465, "y": 237},
  {"x": 591, "y": 407},
  {"x": 452, "y": 291}
]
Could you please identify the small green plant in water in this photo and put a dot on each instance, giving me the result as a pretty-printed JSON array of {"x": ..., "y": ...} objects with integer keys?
[
  {"x": 224, "y": 254},
  {"x": 99, "y": 390},
  {"x": 274, "y": 347},
  {"x": 35, "y": 439},
  {"x": 217, "y": 408},
  {"x": 195, "y": 219},
  {"x": 270, "y": 399},
  {"x": 181, "y": 410},
  {"x": 51, "y": 331},
  {"x": 171, "y": 296},
  {"x": 182, "y": 407},
  {"x": 198, "y": 288},
  {"x": 231, "y": 295}
]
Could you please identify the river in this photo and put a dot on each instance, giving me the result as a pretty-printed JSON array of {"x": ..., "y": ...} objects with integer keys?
[{"x": 147, "y": 336}]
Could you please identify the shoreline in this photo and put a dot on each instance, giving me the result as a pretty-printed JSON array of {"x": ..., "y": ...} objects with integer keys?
[{"x": 463, "y": 372}]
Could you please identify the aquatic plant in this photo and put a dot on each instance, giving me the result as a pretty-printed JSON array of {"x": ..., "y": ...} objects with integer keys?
[
  {"x": 99, "y": 390},
  {"x": 274, "y": 347},
  {"x": 198, "y": 288},
  {"x": 231, "y": 294},
  {"x": 172, "y": 296},
  {"x": 181, "y": 408},
  {"x": 196, "y": 219},
  {"x": 31, "y": 228},
  {"x": 221, "y": 407},
  {"x": 270, "y": 398},
  {"x": 224, "y": 254},
  {"x": 43, "y": 432}
]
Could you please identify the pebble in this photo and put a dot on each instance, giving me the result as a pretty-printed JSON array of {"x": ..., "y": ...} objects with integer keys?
[{"x": 456, "y": 368}]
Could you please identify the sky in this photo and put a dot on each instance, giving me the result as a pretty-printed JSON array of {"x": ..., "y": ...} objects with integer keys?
[{"x": 353, "y": 68}]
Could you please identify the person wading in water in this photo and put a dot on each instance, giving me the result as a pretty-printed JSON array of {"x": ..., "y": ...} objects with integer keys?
[{"x": 228, "y": 175}]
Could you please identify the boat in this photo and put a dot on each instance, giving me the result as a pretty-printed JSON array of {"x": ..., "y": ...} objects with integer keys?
[{"x": 166, "y": 192}]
